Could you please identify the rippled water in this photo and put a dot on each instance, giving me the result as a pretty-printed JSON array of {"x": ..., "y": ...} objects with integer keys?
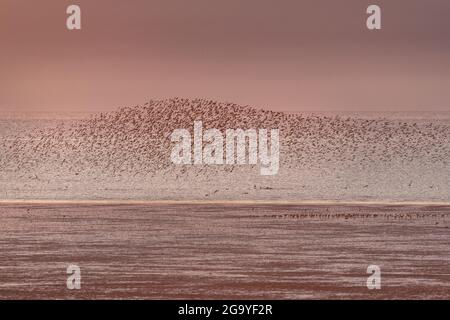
[{"x": 227, "y": 251}]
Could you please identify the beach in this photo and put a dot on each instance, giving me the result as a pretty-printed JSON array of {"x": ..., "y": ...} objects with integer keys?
[
  {"x": 224, "y": 251},
  {"x": 99, "y": 192}
]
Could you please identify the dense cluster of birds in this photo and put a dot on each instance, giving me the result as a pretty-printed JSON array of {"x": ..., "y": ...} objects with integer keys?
[{"x": 136, "y": 140}]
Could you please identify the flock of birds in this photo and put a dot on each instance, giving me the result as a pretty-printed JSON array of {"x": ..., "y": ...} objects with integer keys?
[{"x": 135, "y": 141}]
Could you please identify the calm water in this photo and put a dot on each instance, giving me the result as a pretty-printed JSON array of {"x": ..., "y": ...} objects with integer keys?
[{"x": 226, "y": 251}]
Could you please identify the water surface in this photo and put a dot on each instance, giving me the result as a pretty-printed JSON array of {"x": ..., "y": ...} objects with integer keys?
[{"x": 151, "y": 251}]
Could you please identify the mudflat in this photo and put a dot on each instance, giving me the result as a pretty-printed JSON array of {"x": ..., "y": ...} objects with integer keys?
[{"x": 226, "y": 251}]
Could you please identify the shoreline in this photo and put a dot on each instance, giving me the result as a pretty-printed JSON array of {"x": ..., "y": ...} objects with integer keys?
[{"x": 224, "y": 202}]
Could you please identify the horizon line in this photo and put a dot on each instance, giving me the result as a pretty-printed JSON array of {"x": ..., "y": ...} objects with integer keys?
[{"x": 222, "y": 202}]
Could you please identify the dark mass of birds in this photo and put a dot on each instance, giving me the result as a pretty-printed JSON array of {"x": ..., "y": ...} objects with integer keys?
[{"x": 136, "y": 140}]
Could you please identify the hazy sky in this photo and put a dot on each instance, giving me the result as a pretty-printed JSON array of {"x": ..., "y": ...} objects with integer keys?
[{"x": 278, "y": 54}]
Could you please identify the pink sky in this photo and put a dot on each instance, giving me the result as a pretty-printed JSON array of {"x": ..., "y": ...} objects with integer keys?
[{"x": 283, "y": 55}]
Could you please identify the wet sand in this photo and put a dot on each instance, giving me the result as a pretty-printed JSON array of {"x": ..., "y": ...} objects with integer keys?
[{"x": 226, "y": 251}]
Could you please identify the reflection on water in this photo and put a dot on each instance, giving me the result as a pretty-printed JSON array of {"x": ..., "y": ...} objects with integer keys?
[{"x": 227, "y": 251}]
